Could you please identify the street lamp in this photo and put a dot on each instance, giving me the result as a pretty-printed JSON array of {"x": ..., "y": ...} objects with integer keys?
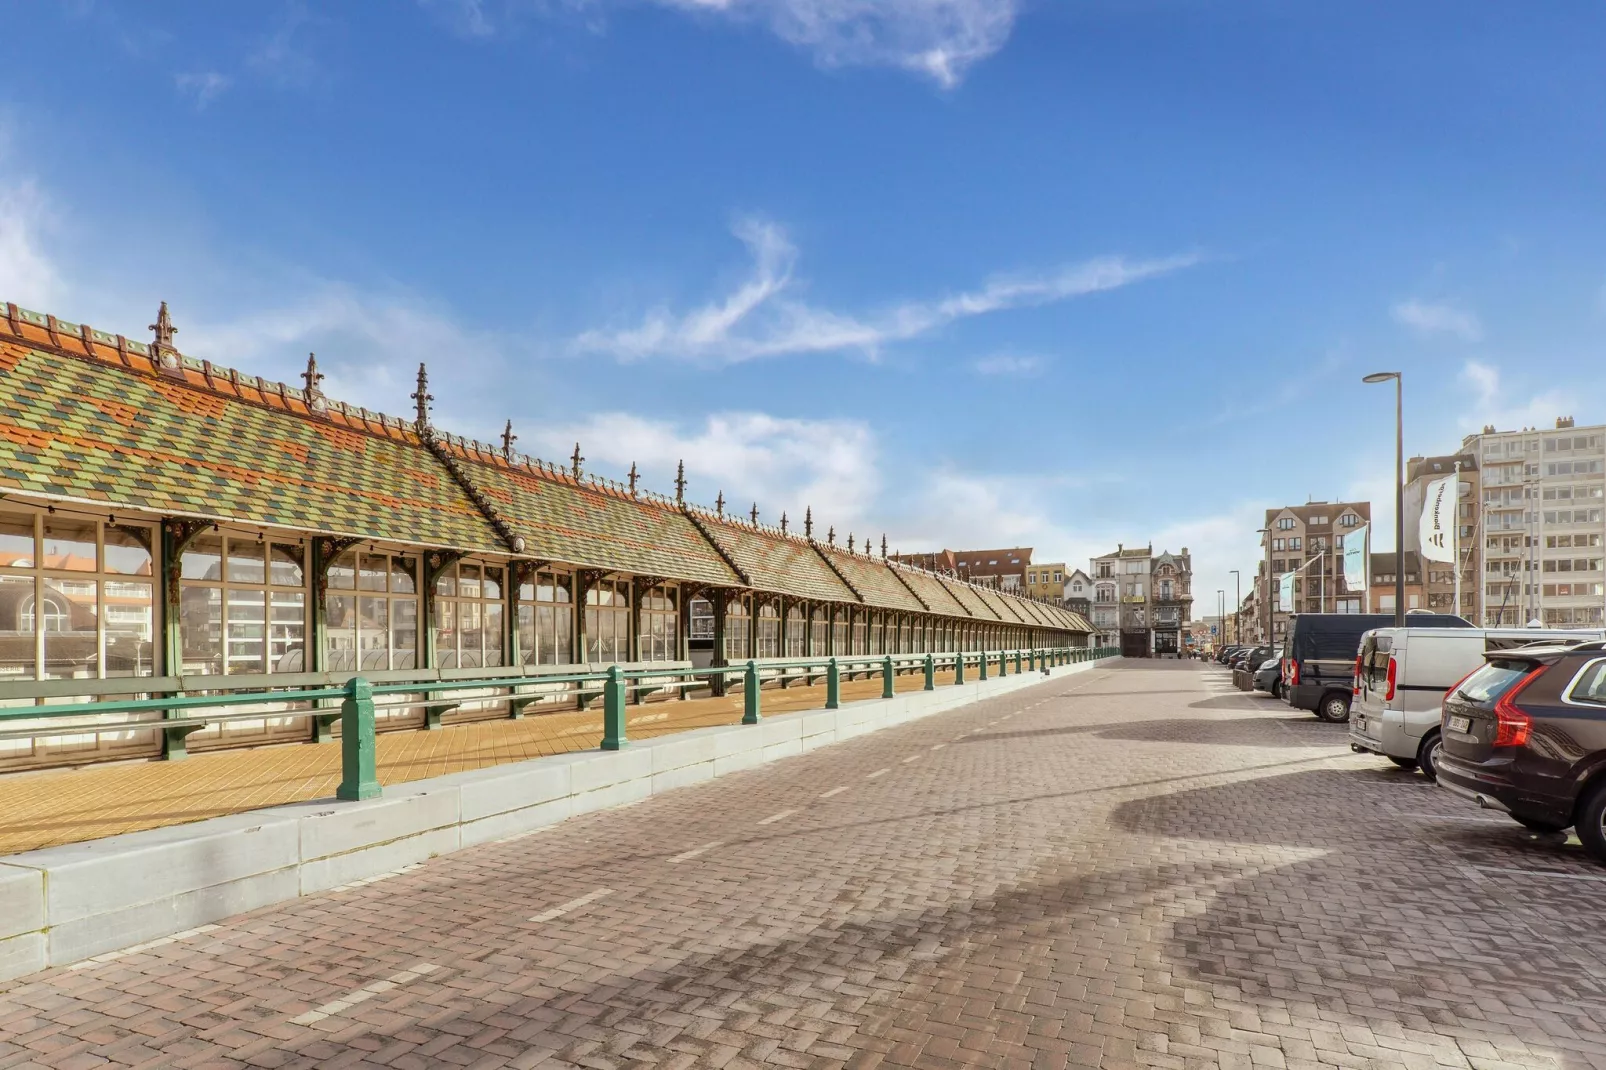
[
  {"x": 1238, "y": 610},
  {"x": 1399, "y": 490},
  {"x": 1271, "y": 619},
  {"x": 1221, "y": 617}
]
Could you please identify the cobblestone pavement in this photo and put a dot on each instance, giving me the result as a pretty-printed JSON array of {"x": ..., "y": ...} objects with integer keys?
[{"x": 1135, "y": 866}]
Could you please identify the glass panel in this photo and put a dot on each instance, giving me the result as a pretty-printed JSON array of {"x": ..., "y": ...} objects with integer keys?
[
  {"x": 17, "y": 655},
  {"x": 445, "y": 634},
  {"x": 561, "y": 588},
  {"x": 526, "y": 592},
  {"x": 247, "y": 632},
  {"x": 201, "y": 628},
  {"x": 404, "y": 633},
  {"x": 446, "y": 582},
  {"x": 286, "y": 565},
  {"x": 17, "y": 543},
  {"x": 130, "y": 627},
  {"x": 373, "y": 635},
  {"x": 287, "y": 630},
  {"x": 469, "y": 628},
  {"x": 247, "y": 561},
  {"x": 124, "y": 554},
  {"x": 546, "y": 630},
  {"x": 492, "y": 630},
  {"x": 71, "y": 626},
  {"x": 528, "y": 649},
  {"x": 402, "y": 573},
  {"x": 343, "y": 572},
  {"x": 593, "y": 638},
  {"x": 340, "y": 633},
  {"x": 493, "y": 583},
  {"x": 70, "y": 545},
  {"x": 468, "y": 581},
  {"x": 371, "y": 572},
  {"x": 203, "y": 559}
]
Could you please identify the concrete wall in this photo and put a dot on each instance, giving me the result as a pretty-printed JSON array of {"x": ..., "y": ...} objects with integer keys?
[{"x": 65, "y": 904}]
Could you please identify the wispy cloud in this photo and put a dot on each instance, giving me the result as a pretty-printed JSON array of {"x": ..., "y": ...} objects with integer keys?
[
  {"x": 28, "y": 275},
  {"x": 284, "y": 55},
  {"x": 1429, "y": 318},
  {"x": 765, "y": 317},
  {"x": 1010, "y": 364},
  {"x": 202, "y": 87},
  {"x": 1507, "y": 406}
]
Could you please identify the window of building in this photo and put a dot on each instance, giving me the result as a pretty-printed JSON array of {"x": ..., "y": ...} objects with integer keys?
[
  {"x": 1317, "y": 521},
  {"x": 796, "y": 633},
  {"x": 371, "y": 612},
  {"x": 738, "y": 646},
  {"x": 1058, "y": 576},
  {"x": 702, "y": 619},
  {"x": 660, "y": 623},
  {"x": 1295, "y": 544},
  {"x": 242, "y": 605},
  {"x": 1285, "y": 523},
  {"x": 769, "y": 631},
  {"x": 1349, "y": 520},
  {"x": 607, "y": 622},
  {"x": 466, "y": 615},
  {"x": 76, "y": 599},
  {"x": 819, "y": 631},
  {"x": 1279, "y": 544},
  {"x": 546, "y": 619}
]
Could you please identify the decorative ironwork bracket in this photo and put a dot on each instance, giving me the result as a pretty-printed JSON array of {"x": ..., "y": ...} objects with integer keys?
[
  {"x": 180, "y": 533},
  {"x": 329, "y": 548}
]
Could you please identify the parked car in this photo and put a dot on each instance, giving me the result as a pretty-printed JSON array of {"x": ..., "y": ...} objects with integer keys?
[
  {"x": 1319, "y": 656},
  {"x": 1245, "y": 663},
  {"x": 1269, "y": 677},
  {"x": 1525, "y": 734},
  {"x": 1402, "y": 674},
  {"x": 1227, "y": 652}
]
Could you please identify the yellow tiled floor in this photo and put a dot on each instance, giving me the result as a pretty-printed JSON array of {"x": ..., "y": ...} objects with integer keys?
[{"x": 59, "y": 806}]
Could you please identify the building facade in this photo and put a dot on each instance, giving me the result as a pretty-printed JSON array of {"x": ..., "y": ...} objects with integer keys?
[
  {"x": 1142, "y": 601},
  {"x": 1541, "y": 524},
  {"x": 1046, "y": 582},
  {"x": 1439, "y": 580},
  {"x": 1384, "y": 566},
  {"x": 1304, "y": 539},
  {"x": 1079, "y": 593},
  {"x": 1003, "y": 570}
]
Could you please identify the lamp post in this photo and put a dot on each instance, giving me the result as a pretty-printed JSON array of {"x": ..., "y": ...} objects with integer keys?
[
  {"x": 1221, "y": 617},
  {"x": 1399, "y": 489},
  {"x": 1271, "y": 607},
  {"x": 1237, "y": 609}
]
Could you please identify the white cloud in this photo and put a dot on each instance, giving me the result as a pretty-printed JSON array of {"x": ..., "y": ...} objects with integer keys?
[
  {"x": 938, "y": 39},
  {"x": 765, "y": 317},
  {"x": 202, "y": 87},
  {"x": 1010, "y": 364},
  {"x": 1507, "y": 407},
  {"x": 1429, "y": 319},
  {"x": 28, "y": 276}
]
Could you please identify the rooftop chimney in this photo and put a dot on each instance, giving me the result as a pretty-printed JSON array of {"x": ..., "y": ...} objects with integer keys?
[{"x": 1563, "y": 422}]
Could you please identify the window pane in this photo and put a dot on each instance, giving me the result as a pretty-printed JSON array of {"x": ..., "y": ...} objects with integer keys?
[
  {"x": 446, "y": 582},
  {"x": 547, "y": 635},
  {"x": 528, "y": 650},
  {"x": 468, "y": 581},
  {"x": 203, "y": 559},
  {"x": 343, "y": 572},
  {"x": 593, "y": 638},
  {"x": 70, "y": 545},
  {"x": 247, "y": 561},
  {"x": 72, "y": 637},
  {"x": 125, "y": 555},
  {"x": 285, "y": 565},
  {"x": 492, "y": 630},
  {"x": 373, "y": 633},
  {"x": 287, "y": 629},
  {"x": 402, "y": 573},
  {"x": 247, "y": 632},
  {"x": 371, "y": 572},
  {"x": 17, "y": 543},
  {"x": 201, "y": 628},
  {"x": 445, "y": 634},
  {"x": 17, "y": 656},
  {"x": 340, "y": 633},
  {"x": 404, "y": 633},
  {"x": 493, "y": 583},
  {"x": 130, "y": 628}
]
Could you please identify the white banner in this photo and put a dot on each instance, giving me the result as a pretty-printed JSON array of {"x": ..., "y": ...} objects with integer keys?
[
  {"x": 1355, "y": 558},
  {"x": 1285, "y": 593},
  {"x": 1438, "y": 516}
]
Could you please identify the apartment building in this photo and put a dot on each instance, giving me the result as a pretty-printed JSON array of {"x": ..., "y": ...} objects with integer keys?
[
  {"x": 1542, "y": 509},
  {"x": 1142, "y": 600},
  {"x": 1079, "y": 593},
  {"x": 1046, "y": 581},
  {"x": 1438, "y": 587},
  {"x": 1384, "y": 567},
  {"x": 1003, "y": 569},
  {"x": 1304, "y": 539}
]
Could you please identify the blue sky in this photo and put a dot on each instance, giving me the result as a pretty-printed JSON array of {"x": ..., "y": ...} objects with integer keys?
[{"x": 969, "y": 272}]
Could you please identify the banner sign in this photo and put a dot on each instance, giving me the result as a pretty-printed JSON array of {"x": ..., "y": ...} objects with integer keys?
[
  {"x": 1285, "y": 593},
  {"x": 1438, "y": 514},
  {"x": 1355, "y": 558}
]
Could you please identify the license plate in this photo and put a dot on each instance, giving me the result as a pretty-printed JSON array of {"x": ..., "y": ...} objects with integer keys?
[{"x": 1460, "y": 724}]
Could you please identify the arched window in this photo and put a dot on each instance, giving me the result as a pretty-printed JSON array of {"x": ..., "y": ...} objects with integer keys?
[{"x": 55, "y": 616}]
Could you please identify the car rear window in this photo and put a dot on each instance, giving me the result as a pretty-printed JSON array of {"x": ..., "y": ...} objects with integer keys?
[
  {"x": 1493, "y": 680},
  {"x": 1590, "y": 686}
]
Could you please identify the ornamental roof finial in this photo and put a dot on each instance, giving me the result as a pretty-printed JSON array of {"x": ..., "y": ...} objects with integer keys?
[
  {"x": 883, "y": 546},
  {"x": 423, "y": 397},
  {"x": 508, "y": 438},
  {"x": 783, "y": 521},
  {"x": 576, "y": 461},
  {"x": 808, "y": 522},
  {"x": 754, "y": 515},
  {"x": 680, "y": 483},
  {"x": 166, "y": 355},
  {"x": 850, "y": 542},
  {"x": 312, "y": 377},
  {"x": 634, "y": 476},
  {"x": 719, "y": 504},
  {"x": 830, "y": 536}
]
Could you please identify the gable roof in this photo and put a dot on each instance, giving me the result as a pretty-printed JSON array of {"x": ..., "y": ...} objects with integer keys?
[
  {"x": 774, "y": 562},
  {"x": 873, "y": 579}
]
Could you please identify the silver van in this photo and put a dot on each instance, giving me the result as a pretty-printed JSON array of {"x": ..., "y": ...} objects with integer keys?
[{"x": 1401, "y": 675}]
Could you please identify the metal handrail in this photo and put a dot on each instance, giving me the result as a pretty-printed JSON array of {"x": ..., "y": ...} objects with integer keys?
[{"x": 357, "y": 706}]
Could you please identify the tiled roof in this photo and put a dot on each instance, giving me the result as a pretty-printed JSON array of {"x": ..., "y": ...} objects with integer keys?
[
  {"x": 228, "y": 449},
  {"x": 872, "y": 578},
  {"x": 969, "y": 597},
  {"x": 1002, "y": 605},
  {"x": 930, "y": 590},
  {"x": 776, "y": 562},
  {"x": 581, "y": 523}
]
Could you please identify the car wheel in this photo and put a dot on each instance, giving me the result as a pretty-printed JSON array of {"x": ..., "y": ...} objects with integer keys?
[
  {"x": 1277, "y": 689},
  {"x": 1537, "y": 825},
  {"x": 1427, "y": 757},
  {"x": 1590, "y": 823},
  {"x": 1403, "y": 763},
  {"x": 1334, "y": 708}
]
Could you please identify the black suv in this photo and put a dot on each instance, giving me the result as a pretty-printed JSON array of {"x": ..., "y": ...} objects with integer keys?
[{"x": 1526, "y": 733}]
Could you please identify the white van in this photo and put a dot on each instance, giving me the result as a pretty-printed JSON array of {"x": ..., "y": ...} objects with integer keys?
[{"x": 1401, "y": 675}]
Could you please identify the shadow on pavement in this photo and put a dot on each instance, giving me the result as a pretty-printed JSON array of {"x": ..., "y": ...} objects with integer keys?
[{"x": 1239, "y": 732}]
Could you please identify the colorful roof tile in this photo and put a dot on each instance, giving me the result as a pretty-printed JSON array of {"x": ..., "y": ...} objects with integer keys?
[
  {"x": 775, "y": 562},
  {"x": 872, "y": 578}
]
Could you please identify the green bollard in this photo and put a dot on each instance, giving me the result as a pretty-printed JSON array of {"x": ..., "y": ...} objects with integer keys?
[
  {"x": 886, "y": 677},
  {"x": 359, "y": 775},
  {"x": 613, "y": 710},
  {"x": 959, "y": 668},
  {"x": 931, "y": 673},
  {"x": 750, "y": 694},
  {"x": 1017, "y": 663},
  {"x": 833, "y": 685},
  {"x": 983, "y": 674}
]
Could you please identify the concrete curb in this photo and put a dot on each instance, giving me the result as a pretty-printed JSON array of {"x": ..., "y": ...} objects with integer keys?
[{"x": 65, "y": 904}]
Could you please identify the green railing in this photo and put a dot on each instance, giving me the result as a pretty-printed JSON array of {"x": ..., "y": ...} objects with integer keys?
[{"x": 356, "y": 703}]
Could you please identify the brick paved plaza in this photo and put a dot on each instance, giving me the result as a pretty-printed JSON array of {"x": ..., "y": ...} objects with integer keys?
[{"x": 1136, "y": 866}]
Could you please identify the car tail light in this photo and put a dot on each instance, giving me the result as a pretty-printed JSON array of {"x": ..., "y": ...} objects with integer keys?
[
  {"x": 1394, "y": 672},
  {"x": 1293, "y": 674},
  {"x": 1513, "y": 725},
  {"x": 1355, "y": 682}
]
